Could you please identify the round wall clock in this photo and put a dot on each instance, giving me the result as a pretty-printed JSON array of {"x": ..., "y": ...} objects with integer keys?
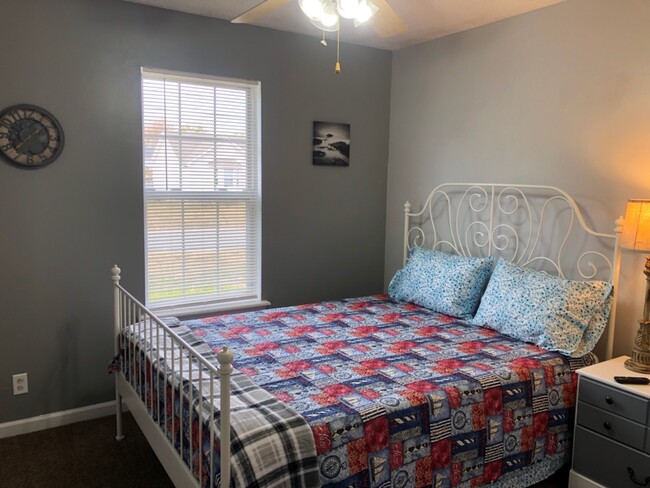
[{"x": 30, "y": 137}]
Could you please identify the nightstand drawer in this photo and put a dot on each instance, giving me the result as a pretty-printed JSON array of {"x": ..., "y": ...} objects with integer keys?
[
  {"x": 612, "y": 426},
  {"x": 609, "y": 463},
  {"x": 616, "y": 401}
]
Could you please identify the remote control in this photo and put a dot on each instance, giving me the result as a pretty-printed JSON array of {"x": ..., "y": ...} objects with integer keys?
[{"x": 632, "y": 380}]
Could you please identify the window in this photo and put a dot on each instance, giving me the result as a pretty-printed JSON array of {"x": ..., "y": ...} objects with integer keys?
[{"x": 201, "y": 191}]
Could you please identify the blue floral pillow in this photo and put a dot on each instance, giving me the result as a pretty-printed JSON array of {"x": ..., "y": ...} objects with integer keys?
[
  {"x": 595, "y": 329},
  {"x": 553, "y": 313},
  {"x": 442, "y": 282}
]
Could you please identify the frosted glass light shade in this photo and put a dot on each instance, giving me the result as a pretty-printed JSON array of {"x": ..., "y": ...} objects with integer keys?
[
  {"x": 326, "y": 27},
  {"x": 328, "y": 19},
  {"x": 365, "y": 10},
  {"x": 636, "y": 229},
  {"x": 312, "y": 8},
  {"x": 347, "y": 8}
]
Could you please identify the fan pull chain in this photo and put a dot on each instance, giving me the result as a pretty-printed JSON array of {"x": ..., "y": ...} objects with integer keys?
[
  {"x": 337, "y": 67},
  {"x": 324, "y": 42}
]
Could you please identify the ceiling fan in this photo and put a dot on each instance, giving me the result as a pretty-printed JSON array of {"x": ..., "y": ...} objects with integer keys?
[{"x": 325, "y": 14}]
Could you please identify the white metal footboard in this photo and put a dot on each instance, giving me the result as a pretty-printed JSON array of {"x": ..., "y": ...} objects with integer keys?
[{"x": 169, "y": 355}]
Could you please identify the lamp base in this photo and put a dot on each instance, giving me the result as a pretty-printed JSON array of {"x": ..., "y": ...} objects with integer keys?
[
  {"x": 640, "y": 360},
  {"x": 637, "y": 367}
]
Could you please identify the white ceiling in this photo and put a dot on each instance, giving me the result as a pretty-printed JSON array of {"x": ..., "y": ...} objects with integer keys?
[{"x": 426, "y": 19}]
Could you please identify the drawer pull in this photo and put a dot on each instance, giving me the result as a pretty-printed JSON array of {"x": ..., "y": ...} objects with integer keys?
[
  {"x": 607, "y": 426},
  {"x": 634, "y": 480},
  {"x": 609, "y": 400}
]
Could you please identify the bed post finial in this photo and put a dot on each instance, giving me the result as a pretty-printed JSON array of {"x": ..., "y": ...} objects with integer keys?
[
  {"x": 115, "y": 271},
  {"x": 405, "y": 249},
  {"x": 225, "y": 358},
  {"x": 619, "y": 225}
]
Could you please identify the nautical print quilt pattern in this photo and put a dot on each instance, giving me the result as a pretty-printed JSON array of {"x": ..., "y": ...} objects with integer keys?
[{"x": 397, "y": 395}]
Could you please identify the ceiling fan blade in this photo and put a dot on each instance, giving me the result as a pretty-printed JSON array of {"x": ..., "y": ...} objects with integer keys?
[
  {"x": 386, "y": 22},
  {"x": 259, "y": 11}
]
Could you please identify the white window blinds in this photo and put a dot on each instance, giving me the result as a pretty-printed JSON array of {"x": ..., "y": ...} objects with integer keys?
[{"x": 201, "y": 190}]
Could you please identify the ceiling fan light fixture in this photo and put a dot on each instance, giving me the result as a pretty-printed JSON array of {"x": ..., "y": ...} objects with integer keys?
[
  {"x": 347, "y": 8},
  {"x": 365, "y": 10},
  {"x": 326, "y": 15},
  {"x": 313, "y": 9}
]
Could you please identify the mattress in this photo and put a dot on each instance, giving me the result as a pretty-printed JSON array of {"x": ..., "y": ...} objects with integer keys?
[{"x": 393, "y": 394}]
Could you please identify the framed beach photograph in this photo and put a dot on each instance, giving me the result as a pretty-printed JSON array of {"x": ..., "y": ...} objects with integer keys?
[{"x": 331, "y": 144}]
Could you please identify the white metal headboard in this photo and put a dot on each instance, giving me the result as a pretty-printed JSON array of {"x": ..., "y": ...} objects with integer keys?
[{"x": 530, "y": 225}]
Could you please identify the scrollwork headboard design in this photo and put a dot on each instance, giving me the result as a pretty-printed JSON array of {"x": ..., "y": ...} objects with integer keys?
[{"x": 535, "y": 226}]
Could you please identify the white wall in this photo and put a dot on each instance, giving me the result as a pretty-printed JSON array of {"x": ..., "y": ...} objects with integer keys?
[{"x": 559, "y": 96}]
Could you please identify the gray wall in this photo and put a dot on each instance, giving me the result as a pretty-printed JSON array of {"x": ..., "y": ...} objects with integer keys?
[
  {"x": 63, "y": 226},
  {"x": 559, "y": 96}
]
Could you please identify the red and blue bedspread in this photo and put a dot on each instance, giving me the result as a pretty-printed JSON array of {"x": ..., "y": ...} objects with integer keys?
[{"x": 397, "y": 395}]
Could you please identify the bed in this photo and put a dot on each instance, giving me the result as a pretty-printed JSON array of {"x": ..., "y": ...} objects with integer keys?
[{"x": 385, "y": 390}]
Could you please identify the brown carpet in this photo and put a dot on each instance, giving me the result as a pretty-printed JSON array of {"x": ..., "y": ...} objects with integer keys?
[
  {"x": 82, "y": 455},
  {"x": 86, "y": 455}
]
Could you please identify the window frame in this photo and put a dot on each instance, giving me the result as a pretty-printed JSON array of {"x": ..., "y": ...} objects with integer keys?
[{"x": 202, "y": 306}]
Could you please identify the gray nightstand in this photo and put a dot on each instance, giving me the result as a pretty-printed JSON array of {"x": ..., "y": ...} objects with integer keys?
[{"x": 611, "y": 446}]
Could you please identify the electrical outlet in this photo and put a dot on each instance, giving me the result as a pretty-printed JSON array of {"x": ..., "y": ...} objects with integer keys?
[{"x": 20, "y": 384}]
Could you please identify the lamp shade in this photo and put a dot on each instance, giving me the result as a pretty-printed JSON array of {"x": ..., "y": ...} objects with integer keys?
[{"x": 636, "y": 229}]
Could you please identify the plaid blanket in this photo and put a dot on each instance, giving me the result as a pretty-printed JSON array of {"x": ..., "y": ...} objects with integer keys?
[{"x": 271, "y": 444}]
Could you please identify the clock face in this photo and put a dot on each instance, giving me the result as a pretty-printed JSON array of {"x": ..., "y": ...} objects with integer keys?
[{"x": 30, "y": 137}]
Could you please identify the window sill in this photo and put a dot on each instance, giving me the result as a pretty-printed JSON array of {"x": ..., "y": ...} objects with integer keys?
[{"x": 204, "y": 310}]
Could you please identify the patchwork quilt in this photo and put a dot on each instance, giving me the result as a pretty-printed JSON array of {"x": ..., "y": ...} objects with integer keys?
[{"x": 397, "y": 395}]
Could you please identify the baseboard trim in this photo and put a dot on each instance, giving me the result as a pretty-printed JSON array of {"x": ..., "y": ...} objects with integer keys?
[{"x": 56, "y": 419}]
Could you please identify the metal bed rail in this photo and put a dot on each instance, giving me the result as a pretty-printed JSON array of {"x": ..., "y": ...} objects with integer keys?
[{"x": 155, "y": 347}]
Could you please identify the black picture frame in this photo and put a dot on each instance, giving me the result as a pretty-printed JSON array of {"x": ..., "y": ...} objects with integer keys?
[{"x": 331, "y": 144}]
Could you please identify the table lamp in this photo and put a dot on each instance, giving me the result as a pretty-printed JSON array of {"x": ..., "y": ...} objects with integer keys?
[{"x": 636, "y": 237}]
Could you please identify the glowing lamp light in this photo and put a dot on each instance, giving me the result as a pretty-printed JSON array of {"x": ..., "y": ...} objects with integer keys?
[
  {"x": 636, "y": 229},
  {"x": 348, "y": 8},
  {"x": 329, "y": 17},
  {"x": 312, "y": 8},
  {"x": 636, "y": 237},
  {"x": 364, "y": 12}
]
